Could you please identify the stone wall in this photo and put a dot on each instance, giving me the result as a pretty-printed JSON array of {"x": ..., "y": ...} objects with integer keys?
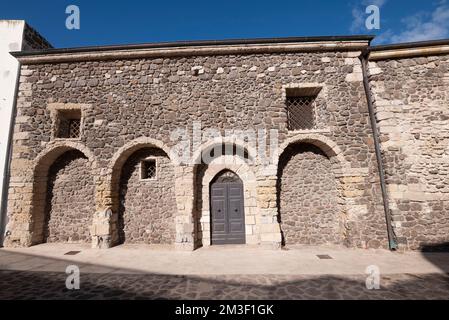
[
  {"x": 147, "y": 207},
  {"x": 308, "y": 198},
  {"x": 411, "y": 99},
  {"x": 125, "y": 100},
  {"x": 70, "y": 202},
  {"x": 136, "y": 98},
  {"x": 32, "y": 40}
]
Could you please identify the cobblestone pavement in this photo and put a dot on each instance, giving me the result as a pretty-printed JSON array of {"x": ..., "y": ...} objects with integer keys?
[
  {"x": 51, "y": 285},
  {"x": 136, "y": 272}
]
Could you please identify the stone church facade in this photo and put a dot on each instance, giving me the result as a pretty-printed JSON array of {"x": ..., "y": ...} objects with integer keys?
[{"x": 352, "y": 144}]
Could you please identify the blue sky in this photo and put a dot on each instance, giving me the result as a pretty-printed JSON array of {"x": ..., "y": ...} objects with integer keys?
[{"x": 140, "y": 21}]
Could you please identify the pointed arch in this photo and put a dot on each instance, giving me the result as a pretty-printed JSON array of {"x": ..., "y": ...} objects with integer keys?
[
  {"x": 226, "y": 175},
  {"x": 205, "y": 174}
]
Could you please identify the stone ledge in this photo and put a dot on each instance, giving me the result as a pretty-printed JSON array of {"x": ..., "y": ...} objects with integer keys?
[
  {"x": 195, "y": 51},
  {"x": 408, "y": 52}
]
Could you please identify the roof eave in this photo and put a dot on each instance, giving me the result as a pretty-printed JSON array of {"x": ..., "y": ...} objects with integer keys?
[
  {"x": 192, "y": 48},
  {"x": 202, "y": 43},
  {"x": 407, "y": 50}
]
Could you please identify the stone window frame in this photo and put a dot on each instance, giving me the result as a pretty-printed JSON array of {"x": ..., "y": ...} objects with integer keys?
[
  {"x": 156, "y": 165},
  {"x": 322, "y": 93},
  {"x": 57, "y": 108}
]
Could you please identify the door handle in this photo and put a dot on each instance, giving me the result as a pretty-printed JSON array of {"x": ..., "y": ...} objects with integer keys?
[{"x": 235, "y": 210}]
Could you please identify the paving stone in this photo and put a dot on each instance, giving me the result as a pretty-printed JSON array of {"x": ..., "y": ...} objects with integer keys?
[{"x": 41, "y": 285}]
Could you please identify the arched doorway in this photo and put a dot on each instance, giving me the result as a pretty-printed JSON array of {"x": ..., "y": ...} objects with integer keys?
[
  {"x": 146, "y": 193},
  {"x": 70, "y": 199},
  {"x": 308, "y": 198},
  {"x": 227, "y": 209}
]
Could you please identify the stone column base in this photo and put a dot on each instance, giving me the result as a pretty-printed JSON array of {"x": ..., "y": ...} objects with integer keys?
[
  {"x": 101, "y": 230},
  {"x": 101, "y": 242}
]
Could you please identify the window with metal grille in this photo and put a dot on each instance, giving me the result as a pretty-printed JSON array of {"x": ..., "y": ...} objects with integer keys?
[
  {"x": 74, "y": 128},
  {"x": 301, "y": 112},
  {"x": 148, "y": 169},
  {"x": 300, "y": 103},
  {"x": 68, "y": 124}
]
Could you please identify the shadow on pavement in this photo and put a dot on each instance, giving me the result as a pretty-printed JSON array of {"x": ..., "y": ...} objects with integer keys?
[{"x": 129, "y": 284}]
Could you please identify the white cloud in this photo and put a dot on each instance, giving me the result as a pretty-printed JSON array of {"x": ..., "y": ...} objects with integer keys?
[
  {"x": 378, "y": 3},
  {"x": 384, "y": 37},
  {"x": 421, "y": 26},
  {"x": 358, "y": 19}
]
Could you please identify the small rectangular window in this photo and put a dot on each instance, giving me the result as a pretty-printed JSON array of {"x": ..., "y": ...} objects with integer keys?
[
  {"x": 300, "y": 103},
  {"x": 301, "y": 113},
  {"x": 69, "y": 124},
  {"x": 148, "y": 169}
]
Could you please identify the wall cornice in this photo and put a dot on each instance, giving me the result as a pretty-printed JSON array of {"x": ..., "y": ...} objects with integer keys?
[{"x": 60, "y": 56}]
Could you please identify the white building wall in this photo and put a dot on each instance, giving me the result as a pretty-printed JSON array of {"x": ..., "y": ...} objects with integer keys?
[{"x": 11, "y": 38}]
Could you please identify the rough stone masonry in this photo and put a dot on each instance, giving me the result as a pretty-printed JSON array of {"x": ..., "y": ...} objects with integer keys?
[{"x": 322, "y": 187}]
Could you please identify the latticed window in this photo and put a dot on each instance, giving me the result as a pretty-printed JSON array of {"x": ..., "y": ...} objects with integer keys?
[
  {"x": 148, "y": 169},
  {"x": 301, "y": 112},
  {"x": 74, "y": 128},
  {"x": 69, "y": 124}
]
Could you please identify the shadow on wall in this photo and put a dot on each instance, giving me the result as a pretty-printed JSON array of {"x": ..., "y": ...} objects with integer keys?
[
  {"x": 199, "y": 172},
  {"x": 132, "y": 284}
]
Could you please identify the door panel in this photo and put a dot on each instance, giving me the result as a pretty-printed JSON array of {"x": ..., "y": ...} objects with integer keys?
[
  {"x": 219, "y": 209},
  {"x": 219, "y": 227},
  {"x": 236, "y": 227},
  {"x": 227, "y": 213},
  {"x": 219, "y": 191},
  {"x": 235, "y": 190}
]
